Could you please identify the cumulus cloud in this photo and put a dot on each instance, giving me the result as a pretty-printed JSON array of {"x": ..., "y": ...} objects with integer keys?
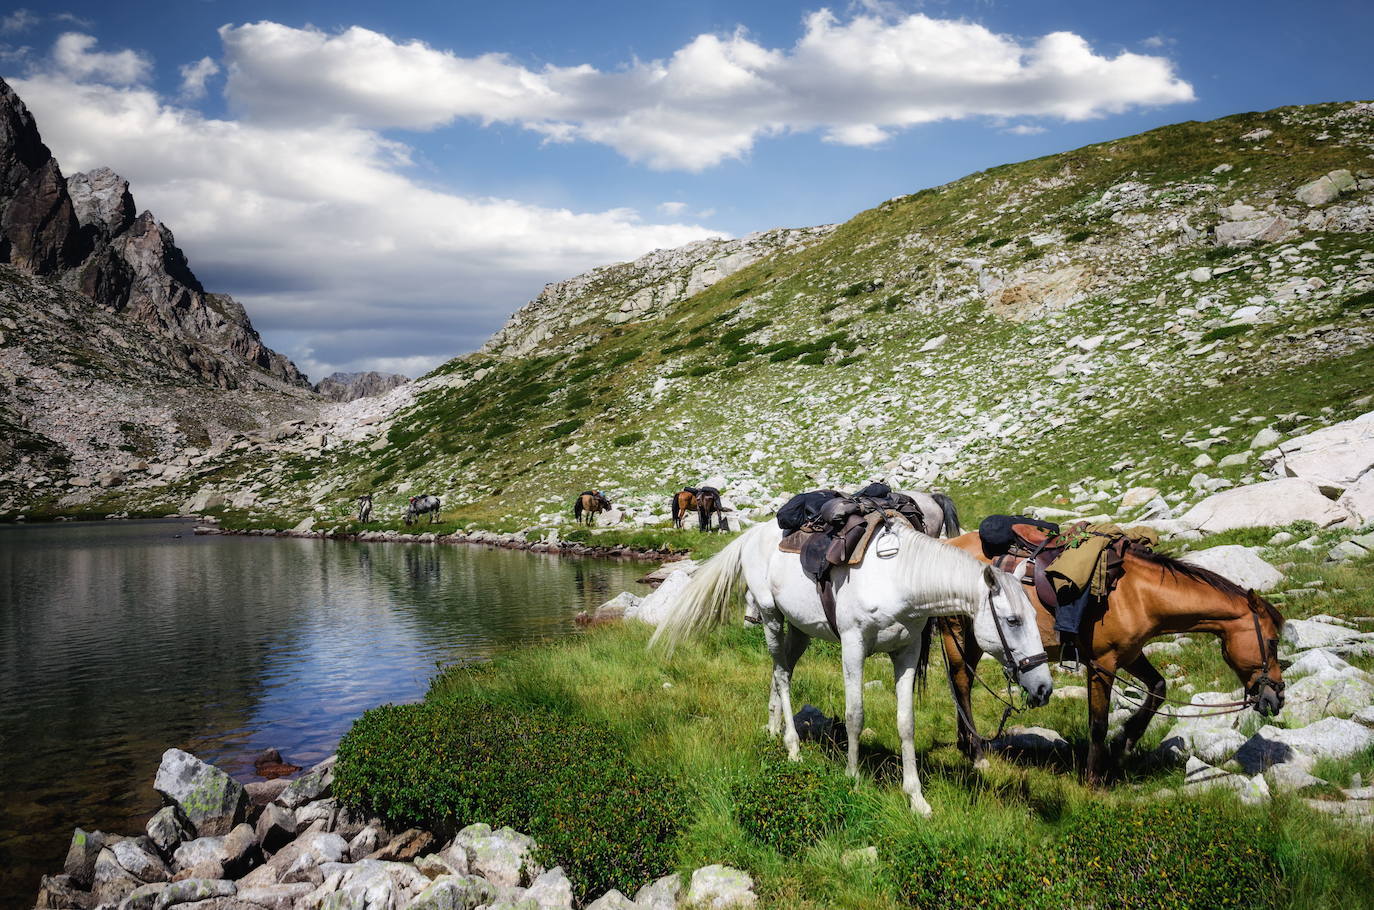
[
  {"x": 672, "y": 208},
  {"x": 1024, "y": 129},
  {"x": 855, "y": 81},
  {"x": 74, "y": 57},
  {"x": 342, "y": 258},
  {"x": 193, "y": 76}
]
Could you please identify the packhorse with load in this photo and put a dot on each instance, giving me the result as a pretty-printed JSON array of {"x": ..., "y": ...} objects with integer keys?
[
  {"x": 587, "y": 504},
  {"x": 1101, "y": 594}
]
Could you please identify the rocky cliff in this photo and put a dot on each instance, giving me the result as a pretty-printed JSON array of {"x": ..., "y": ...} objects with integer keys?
[
  {"x": 352, "y": 386},
  {"x": 117, "y": 367},
  {"x": 83, "y": 232}
]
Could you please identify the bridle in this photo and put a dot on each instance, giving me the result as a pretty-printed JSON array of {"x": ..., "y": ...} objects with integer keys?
[
  {"x": 1268, "y": 648},
  {"x": 1025, "y": 664}
]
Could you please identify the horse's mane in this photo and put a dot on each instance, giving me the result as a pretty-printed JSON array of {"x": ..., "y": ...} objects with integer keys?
[{"x": 1189, "y": 571}]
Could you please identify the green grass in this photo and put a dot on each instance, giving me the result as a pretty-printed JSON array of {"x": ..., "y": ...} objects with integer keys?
[{"x": 697, "y": 716}]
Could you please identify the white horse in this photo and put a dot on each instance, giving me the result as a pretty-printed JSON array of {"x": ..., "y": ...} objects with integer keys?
[
  {"x": 882, "y": 605},
  {"x": 937, "y": 513}
]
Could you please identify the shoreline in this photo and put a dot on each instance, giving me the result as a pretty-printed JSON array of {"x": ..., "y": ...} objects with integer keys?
[{"x": 511, "y": 541}]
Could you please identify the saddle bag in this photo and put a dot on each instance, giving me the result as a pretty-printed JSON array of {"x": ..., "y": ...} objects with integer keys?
[
  {"x": 998, "y": 534},
  {"x": 804, "y": 509}
]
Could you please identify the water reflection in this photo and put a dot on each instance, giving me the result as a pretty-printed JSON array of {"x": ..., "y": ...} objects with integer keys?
[{"x": 119, "y": 640}]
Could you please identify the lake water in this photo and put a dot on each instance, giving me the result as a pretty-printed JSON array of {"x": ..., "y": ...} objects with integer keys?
[{"x": 121, "y": 639}]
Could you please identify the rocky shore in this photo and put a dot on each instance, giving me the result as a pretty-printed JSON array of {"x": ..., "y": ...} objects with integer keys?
[
  {"x": 512, "y": 541},
  {"x": 217, "y": 844}
]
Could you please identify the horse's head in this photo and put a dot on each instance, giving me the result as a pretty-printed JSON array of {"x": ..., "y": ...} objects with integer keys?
[
  {"x": 1251, "y": 647},
  {"x": 1005, "y": 627}
]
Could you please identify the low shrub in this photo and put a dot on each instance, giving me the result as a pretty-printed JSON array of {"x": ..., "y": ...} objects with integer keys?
[
  {"x": 1226, "y": 331},
  {"x": 1000, "y": 242},
  {"x": 623, "y": 358},
  {"x": 791, "y": 805},
  {"x": 627, "y": 439},
  {"x": 1172, "y": 855},
  {"x": 450, "y": 762},
  {"x": 1078, "y": 236},
  {"x": 976, "y": 239},
  {"x": 559, "y": 430}
]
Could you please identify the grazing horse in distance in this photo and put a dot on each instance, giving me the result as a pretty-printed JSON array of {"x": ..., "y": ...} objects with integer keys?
[
  {"x": 708, "y": 503},
  {"x": 365, "y": 507},
  {"x": 684, "y": 501},
  {"x": 589, "y": 503},
  {"x": 1157, "y": 595},
  {"x": 419, "y": 505}
]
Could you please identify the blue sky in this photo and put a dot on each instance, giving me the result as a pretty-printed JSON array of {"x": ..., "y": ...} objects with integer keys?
[{"x": 382, "y": 184}]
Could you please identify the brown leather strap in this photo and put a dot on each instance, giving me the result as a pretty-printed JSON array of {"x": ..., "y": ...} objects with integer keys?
[{"x": 827, "y": 591}]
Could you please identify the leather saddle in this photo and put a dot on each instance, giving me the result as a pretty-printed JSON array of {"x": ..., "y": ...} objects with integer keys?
[{"x": 839, "y": 534}]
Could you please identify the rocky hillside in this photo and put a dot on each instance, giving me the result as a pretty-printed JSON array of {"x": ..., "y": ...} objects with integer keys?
[
  {"x": 352, "y": 386},
  {"x": 117, "y": 367},
  {"x": 1052, "y": 333}
]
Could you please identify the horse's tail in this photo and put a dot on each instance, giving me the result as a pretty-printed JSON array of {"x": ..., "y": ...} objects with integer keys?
[
  {"x": 705, "y": 602},
  {"x": 923, "y": 659},
  {"x": 951, "y": 515},
  {"x": 677, "y": 510},
  {"x": 577, "y": 509}
]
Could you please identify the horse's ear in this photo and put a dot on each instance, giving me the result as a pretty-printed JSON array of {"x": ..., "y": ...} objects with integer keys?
[{"x": 990, "y": 577}]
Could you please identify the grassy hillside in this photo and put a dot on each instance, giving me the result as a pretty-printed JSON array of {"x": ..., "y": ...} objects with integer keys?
[{"x": 1053, "y": 331}]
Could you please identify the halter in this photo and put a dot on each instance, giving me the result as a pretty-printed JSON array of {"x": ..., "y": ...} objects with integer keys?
[
  {"x": 1267, "y": 647},
  {"x": 1025, "y": 664}
]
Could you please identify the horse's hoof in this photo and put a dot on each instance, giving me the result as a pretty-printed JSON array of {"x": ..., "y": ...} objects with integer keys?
[{"x": 920, "y": 807}]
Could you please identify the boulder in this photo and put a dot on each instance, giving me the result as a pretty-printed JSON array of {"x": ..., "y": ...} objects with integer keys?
[
  {"x": 660, "y": 894},
  {"x": 1138, "y": 496},
  {"x": 1333, "y": 458},
  {"x": 168, "y": 828},
  {"x": 1242, "y": 565},
  {"x": 211, "y": 800},
  {"x": 1267, "y": 229},
  {"x": 616, "y": 607},
  {"x": 274, "y": 897},
  {"x": 1316, "y": 660},
  {"x": 503, "y": 857},
  {"x": 191, "y": 890},
  {"x": 405, "y": 846},
  {"x": 82, "y": 853},
  {"x": 1331, "y": 737},
  {"x": 454, "y": 892},
  {"x": 1200, "y": 776},
  {"x": 1302, "y": 634},
  {"x": 144, "y": 897},
  {"x": 1274, "y": 502},
  {"x": 551, "y": 890},
  {"x": 276, "y": 827},
  {"x": 60, "y": 892},
  {"x": 1358, "y": 498},
  {"x": 654, "y": 607},
  {"x": 1032, "y": 739},
  {"x": 1214, "y": 745},
  {"x": 312, "y": 785},
  {"x": 216, "y": 857},
  {"x": 1329, "y": 693},
  {"x": 366, "y": 840},
  {"x": 300, "y": 860},
  {"x": 614, "y": 900},
  {"x": 1326, "y": 188},
  {"x": 1289, "y": 778},
  {"x": 718, "y": 887}
]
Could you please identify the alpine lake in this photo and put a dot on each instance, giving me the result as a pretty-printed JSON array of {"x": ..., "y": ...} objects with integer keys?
[{"x": 119, "y": 640}]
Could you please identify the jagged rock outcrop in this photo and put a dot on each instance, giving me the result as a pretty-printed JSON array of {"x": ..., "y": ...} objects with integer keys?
[
  {"x": 84, "y": 232},
  {"x": 352, "y": 386}
]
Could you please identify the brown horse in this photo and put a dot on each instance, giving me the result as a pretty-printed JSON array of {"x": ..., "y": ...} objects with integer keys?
[
  {"x": 588, "y": 504},
  {"x": 708, "y": 504},
  {"x": 684, "y": 501},
  {"x": 1157, "y": 595}
]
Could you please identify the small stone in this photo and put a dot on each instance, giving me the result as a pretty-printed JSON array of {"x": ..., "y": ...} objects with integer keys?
[
  {"x": 168, "y": 828},
  {"x": 276, "y": 827},
  {"x": 719, "y": 887},
  {"x": 661, "y": 894}
]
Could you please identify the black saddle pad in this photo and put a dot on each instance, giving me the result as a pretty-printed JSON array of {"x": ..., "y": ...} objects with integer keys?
[{"x": 996, "y": 534}]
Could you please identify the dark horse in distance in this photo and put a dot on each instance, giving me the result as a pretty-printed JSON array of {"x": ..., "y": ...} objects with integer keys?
[
  {"x": 708, "y": 504},
  {"x": 588, "y": 503}
]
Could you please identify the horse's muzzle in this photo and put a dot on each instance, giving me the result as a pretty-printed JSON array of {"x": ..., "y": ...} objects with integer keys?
[
  {"x": 1039, "y": 695},
  {"x": 1269, "y": 701}
]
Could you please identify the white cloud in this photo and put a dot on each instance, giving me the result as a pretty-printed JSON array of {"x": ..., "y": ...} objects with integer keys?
[
  {"x": 855, "y": 81},
  {"x": 1155, "y": 42},
  {"x": 1024, "y": 129},
  {"x": 193, "y": 76},
  {"x": 342, "y": 259},
  {"x": 74, "y": 57},
  {"x": 21, "y": 20},
  {"x": 672, "y": 208}
]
